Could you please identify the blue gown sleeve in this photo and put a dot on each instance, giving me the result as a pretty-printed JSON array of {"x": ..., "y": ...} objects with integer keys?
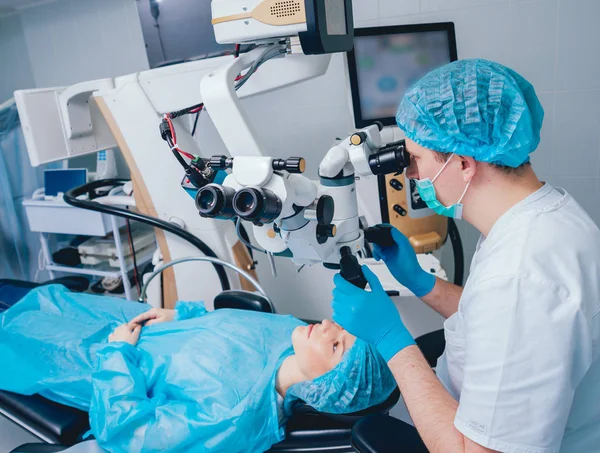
[
  {"x": 189, "y": 310},
  {"x": 125, "y": 419}
]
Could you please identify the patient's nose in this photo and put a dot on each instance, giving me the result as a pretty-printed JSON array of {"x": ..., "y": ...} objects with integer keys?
[{"x": 327, "y": 327}]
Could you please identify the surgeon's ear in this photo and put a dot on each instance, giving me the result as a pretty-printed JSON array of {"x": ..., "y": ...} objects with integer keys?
[{"x": 469, "y": 168}]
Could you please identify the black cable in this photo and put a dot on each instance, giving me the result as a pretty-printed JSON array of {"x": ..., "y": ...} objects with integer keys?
[
  {"x": 178, "y": 156},
  {"x": 457, "y": 250},
  {"x": 160, "y": 39},
  {"x": 185, "y": 111},
  {"x": 247, "y": 243},
  {"x": 136, "y": 274},
  {"x": 70, "y": 198},
  {"x": 196, "y": 123},
  {"x": 245, "y": 237}
]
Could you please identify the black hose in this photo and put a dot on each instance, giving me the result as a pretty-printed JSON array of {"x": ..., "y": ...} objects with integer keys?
[
  {"x": 246, "y": 238},
  {"x": 70, "y": 198},
  {"x": 195, "y": 123},
  {"x": 457, "y": 250}
]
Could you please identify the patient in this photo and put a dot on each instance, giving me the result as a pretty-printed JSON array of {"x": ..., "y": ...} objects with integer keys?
[{"x": 188, "y": 380}]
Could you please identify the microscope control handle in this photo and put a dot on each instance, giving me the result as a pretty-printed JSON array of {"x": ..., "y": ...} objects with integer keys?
[
  {"x": 351, "y": 270},
  {"x": 380, "y": 235}
]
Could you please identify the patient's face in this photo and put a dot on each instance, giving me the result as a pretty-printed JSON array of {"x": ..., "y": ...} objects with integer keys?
[{"x": 320, "y": 347}]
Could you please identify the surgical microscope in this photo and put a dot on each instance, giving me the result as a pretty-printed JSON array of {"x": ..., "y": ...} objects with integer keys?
[{"x": 311, "y": 222}]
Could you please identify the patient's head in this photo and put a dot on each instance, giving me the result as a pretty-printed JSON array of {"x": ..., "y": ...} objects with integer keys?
[
  {"x": 319, "y": 348},
  {"x": 344, "y": 373}
]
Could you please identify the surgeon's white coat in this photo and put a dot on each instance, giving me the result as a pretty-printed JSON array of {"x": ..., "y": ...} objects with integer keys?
[{"x": 523, "y": 351}]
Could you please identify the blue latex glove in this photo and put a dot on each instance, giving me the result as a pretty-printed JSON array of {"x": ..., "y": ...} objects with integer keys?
[
  {"x": 401, "y": 260},
  {"x": 370, "y": 315}
]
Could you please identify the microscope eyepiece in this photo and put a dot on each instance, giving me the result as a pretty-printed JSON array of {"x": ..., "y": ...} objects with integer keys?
[
  {"x": 257, "y": 205},
  {"x": 391, "y": 159},
  {"x": 215, "y": 201}
]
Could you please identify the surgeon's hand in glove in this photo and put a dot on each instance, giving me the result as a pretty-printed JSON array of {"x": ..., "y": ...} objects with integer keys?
[
  {"x": 127, "y": 333},
  {"x": 401, "y": 260},
  {"x": 154, "y": 316},
  {"x": 370, "y": 315}
]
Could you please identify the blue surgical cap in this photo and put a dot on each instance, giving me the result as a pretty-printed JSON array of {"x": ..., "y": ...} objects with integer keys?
[
  {"x": 362, "y": 379},
  {"x": 474, "y": 108}
]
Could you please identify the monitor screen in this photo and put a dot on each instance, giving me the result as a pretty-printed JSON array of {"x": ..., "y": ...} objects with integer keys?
[
  {"x": 62, "y": 180},
  {"x": 387, "y": 61}
]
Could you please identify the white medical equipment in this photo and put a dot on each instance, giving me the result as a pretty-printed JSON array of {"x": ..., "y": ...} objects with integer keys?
[
  {"x": 313, "y": 221},
  {"x": 98, "y": 250}
]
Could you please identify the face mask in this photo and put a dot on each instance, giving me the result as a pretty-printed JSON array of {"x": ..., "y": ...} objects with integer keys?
[{"x": 427, "y": 193}]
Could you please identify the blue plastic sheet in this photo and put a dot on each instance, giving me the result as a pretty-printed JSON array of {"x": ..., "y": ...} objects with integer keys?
[{"x": 205, "y": 383}]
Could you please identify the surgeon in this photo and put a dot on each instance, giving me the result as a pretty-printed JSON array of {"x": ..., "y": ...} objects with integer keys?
[{"x": 521, "y": 369}]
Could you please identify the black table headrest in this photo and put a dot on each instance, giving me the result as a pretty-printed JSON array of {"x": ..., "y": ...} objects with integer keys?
[
  {"x": 243, "y": 300},
  {"x": 51, "y": 421}
]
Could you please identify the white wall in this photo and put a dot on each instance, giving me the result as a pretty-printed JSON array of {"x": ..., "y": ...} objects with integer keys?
[
  {"x": 72, "y": 41},
  {"x": 186, "y": 29},
  {"x": 15, "y": 72}
]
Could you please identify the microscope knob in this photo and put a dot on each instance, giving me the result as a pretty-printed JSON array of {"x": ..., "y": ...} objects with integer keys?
[
  {"x": 295, "y": 165},
  {"x": 220, "y": 162},
  {"x": 291, "y": 164},
  {"x": 358, "y": 138},
  {"x": 396, "y": 185},
  {"x": 325, "y": 210},
  {"x": 325, "y": 232},
  {"x": 400, "y": 210}
]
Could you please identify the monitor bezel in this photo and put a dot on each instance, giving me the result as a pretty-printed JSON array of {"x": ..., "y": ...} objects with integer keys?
[{"x": 448, "y": 27}]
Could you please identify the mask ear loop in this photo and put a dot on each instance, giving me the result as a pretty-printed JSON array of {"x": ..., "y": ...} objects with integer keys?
[
  {"x": 466, "y": 187},
  {"x": 464, "y": 192},
  {"x": 442, "y": 169}
]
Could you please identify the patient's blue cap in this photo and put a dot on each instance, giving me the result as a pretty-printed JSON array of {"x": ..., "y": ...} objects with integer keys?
[
  {"x": 474, "y": 108},
  {"x": 361, "y": 380}
]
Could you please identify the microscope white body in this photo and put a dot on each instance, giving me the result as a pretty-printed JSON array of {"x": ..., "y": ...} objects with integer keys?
[{"x": 295, "y": 228}]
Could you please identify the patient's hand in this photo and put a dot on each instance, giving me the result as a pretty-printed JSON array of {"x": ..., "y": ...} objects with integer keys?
[
  {"x": 154, "y": 316},
  {"x": 128, "y": 333}
]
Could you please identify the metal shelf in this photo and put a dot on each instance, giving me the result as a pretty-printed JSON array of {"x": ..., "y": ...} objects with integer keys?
[{"x": 100, "y": 270}]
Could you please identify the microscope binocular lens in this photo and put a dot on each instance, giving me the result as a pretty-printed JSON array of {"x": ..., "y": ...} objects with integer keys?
[
  {"x": 216, "y": 202},
  {"x": 392, "y": 159},
  {"x": 257, "y": 205}
]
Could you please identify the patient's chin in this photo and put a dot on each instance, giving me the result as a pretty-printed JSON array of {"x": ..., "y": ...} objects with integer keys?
[{"x": 296, "y": 336}]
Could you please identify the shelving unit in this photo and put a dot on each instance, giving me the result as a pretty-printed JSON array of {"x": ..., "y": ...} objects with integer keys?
[{"x": 56, "y": 217}]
